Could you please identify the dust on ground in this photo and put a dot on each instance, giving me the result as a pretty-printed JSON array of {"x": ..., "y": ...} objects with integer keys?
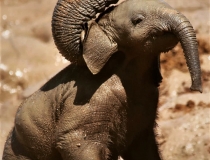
[{"x": 29, "y": 58}]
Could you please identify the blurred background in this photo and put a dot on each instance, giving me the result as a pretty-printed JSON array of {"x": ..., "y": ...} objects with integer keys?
[{"x": 29, "y": 58}]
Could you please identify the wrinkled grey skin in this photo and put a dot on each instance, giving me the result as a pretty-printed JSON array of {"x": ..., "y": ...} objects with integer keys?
[{"x": 104, "y": 104}]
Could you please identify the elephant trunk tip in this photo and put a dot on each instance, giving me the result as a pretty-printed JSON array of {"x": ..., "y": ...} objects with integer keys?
[{"x": 196, "y": 87}]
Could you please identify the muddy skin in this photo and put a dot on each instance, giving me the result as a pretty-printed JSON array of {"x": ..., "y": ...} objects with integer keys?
[{"x": 105, "y": 106}]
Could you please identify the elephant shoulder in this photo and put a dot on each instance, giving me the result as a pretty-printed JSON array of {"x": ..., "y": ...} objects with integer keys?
[
  {"x": 34, "y": 108},
  {"x": 112, "y": 90},
  {"x": 33, "y": 122},
  {"x": 115, "y": 85}
]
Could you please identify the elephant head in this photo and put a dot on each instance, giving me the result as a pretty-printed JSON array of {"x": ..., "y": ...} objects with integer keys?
[{"x": 135, "y": 27}]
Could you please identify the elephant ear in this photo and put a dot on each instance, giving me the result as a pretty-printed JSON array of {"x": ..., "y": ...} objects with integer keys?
[{"x": 97, "y": 48}]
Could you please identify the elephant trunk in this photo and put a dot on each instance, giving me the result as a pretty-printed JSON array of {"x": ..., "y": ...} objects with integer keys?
[
  {"x": 184, "y": 31},
  {"x": 68, "y": 21}
]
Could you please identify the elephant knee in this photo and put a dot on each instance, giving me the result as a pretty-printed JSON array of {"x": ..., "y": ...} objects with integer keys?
[{"x": 94, "y": 151}]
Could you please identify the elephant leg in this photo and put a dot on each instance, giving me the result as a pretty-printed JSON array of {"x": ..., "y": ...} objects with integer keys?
[
  {"x": 13, "y": 150},
  {"x": 144, "y": 147}
]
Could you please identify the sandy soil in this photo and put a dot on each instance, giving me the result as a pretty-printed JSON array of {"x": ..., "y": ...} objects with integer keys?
[{"x": 29, "y": 58}]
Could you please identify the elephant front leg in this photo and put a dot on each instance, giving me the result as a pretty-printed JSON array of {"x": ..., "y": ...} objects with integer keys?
[{"x": 144, "y": 147}]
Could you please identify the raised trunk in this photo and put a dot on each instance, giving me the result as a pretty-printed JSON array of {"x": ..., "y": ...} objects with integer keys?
[
  {"x": 68, "y": 21},
  {"x": 182, "y": 28}
]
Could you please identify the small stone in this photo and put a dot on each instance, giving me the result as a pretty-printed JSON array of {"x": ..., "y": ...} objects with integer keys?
[
  {"x": 190, "y": 104},
  {"x": 78, "y": 145}
]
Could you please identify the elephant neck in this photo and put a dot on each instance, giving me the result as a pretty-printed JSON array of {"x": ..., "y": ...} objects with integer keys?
[{"x": 140, "y": 76}]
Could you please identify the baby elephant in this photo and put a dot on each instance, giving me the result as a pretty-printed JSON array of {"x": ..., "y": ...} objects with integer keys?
[{"x": 104, "y": 104}]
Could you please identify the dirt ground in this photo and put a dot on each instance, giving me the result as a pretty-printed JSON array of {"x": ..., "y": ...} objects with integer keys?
[{"x": 29, "y": 58}]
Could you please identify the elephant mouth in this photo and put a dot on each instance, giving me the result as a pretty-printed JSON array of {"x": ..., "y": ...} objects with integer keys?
[{"x": 164, "y": 41}]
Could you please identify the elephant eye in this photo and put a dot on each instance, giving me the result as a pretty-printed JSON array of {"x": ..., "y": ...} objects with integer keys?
[{"x": 137, "y": 19}]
